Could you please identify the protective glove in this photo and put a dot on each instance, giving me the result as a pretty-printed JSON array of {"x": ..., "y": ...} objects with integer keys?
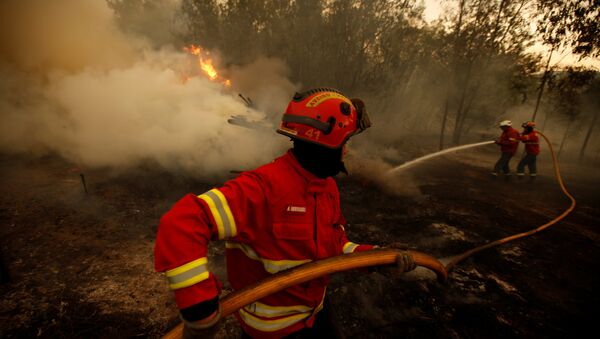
[
  {"x": 404, "y": 262},
  {"x": 205, "y": 328}
]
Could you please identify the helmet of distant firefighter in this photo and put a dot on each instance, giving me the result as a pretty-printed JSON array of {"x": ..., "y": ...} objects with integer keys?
[
  {"x": 528, "y": 124},
  {"x": 505, "y": 123},
  {"x": 324, "y": 116}
]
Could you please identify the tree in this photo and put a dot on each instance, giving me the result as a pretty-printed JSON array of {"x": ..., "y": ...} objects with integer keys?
[
  {"x": 568, "y": 89},
  {"x": 571, "y": 23},
  {"x": 592, "y": 101},
  {"x": 487, "y": 34}
]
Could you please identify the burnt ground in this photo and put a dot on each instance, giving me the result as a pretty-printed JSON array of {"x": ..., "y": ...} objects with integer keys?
[{"x": 80, "y": 265}]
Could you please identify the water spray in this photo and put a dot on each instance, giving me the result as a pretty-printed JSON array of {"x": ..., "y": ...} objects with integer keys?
[{"x": 433, "y": 155}]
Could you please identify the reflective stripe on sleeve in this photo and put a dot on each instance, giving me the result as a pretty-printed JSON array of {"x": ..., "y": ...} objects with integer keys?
[
  {"x": 271, "y": 266},
  {"x": 188, "y": 274},
  {"x": 221, "y": 213},
  {"x": 349, "y": 247}
]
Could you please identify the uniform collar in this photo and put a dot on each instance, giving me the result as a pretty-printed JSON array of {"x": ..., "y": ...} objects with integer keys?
[{"x": 314, "y": 183}]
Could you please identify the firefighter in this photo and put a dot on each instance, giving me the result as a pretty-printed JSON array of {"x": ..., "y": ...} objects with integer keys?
[
  {"x": 532, "y": 148},
  {"x": 508, "y": 141},
  {"x": 278, "y": 216}
]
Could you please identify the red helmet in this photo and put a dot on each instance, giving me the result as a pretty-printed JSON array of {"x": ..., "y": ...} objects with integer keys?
[
  {"x": 324, "y": 116},
  {"x": 528, "y": 124}
]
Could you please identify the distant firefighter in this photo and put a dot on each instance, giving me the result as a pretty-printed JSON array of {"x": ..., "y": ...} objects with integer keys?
[
  {"x": 508, "y": 141},
  {"x": 532, "y": 149},
  {"x": 273, "y": 218}
]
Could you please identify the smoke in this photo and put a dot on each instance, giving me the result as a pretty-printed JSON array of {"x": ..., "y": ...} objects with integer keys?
[
  {"x": 76, "y": 85},
  {"x": 371, "y": 163}
]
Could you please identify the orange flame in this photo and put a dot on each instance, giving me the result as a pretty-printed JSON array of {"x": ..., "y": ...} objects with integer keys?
[
  {"x": 206, "y": 64},
  {"x": 209, "y": 69}
]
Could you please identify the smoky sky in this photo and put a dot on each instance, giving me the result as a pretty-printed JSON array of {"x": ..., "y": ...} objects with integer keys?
[{"x": 74, "y": 84}]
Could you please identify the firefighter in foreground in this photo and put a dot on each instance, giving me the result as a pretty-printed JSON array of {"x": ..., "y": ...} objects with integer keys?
[
  {"x": 278, "y": 216},
  {"x": 532, "y": 148},
  {"x": 509, "y": 142}
]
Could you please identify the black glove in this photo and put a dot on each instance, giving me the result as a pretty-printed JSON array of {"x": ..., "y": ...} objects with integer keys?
[
  {"x": 202, "y": 329},
  {"x": 201, "y": 320},
  {"x": 404, "y": 262}
]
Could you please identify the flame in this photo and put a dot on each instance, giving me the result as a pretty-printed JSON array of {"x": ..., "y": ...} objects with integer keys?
[
  {"x": 208, "y": 68},
  {"x": 194, "y": 50},
  {"x": 205, "y": 62}
]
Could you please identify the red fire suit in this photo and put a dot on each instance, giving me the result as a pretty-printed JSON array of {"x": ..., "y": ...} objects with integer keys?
[
  {"x": 532, "y": 142},
  {"x": 272, "y": 218},
  {"x": 509, "y": 141}
]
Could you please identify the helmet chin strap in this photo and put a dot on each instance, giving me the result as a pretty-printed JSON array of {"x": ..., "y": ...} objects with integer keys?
[{"x": 321, "y": 161}]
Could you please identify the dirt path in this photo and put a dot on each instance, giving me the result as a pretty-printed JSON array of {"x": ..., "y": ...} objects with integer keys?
[{"x": 80, "y": 265}]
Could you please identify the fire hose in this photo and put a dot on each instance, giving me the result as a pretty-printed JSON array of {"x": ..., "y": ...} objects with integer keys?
[
  {"x": 299, "y": 274},
  {"x": 312, "y": 270},
  {"x": 561, "y": 183}
]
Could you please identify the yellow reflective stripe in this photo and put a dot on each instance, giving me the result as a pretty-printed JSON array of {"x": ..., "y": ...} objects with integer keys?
[
  {"x": 232, "y": 226},
  {"x": 219, "y": 208},
  {"x": 318, "y": 99},
  {"x": 268, "y": 311},
  {"x": 215, "y": 213},
  {"x": 189, "y": 282},
  {"x": 271, "y": 266},
  {"x": 188, "y": 266},
  {"x": 188, "y": 274},
  {"x": 320, "y": 307},
  {"x": 349, "y": 247},
  {"x": 249, "y": 313},
  {"x": 270, "y": 325}
]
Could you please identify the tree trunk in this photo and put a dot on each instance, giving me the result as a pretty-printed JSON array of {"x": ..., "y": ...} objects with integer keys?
[
  {"x": 444, "y": 125},
  {"x": 587, "y": 137},
  {"x": 542, "y": 85},
  {"x": 465, "y": 113},
  {"x": 546, "y": 117},
  {"x": 564, "y": 139},
  {"x": 461, "y": 103}
]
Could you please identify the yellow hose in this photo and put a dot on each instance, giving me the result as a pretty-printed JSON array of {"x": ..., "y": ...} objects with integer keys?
[
  {"x": 312, "y": 270},
  {"x": 468, "y": 253}
]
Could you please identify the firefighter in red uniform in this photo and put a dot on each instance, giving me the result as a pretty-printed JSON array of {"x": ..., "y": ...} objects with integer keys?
[
  {"x": 532, "y": 148},
  {"x": 278, "y": 216},
  {"x": 509, "y": 142}
]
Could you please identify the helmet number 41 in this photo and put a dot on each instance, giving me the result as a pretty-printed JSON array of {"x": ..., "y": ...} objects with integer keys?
[{"x": 313, "y": 134}]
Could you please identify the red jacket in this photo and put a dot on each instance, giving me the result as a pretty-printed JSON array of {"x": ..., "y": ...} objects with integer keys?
[
  {"x": 532, "y": 142},
  {"x": 273, "y": 218},
  {"x": 509, "y": 141}
]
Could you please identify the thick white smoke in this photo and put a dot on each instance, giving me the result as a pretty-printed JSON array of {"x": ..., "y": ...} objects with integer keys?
[{"x": 73, "y": 84}]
